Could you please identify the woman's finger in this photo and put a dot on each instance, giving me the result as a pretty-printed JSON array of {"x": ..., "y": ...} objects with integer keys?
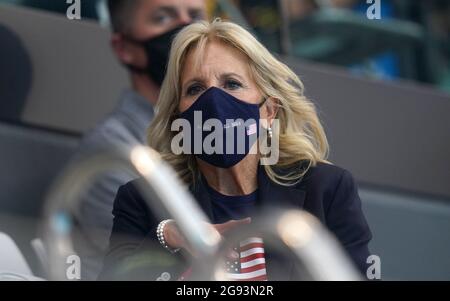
[{"x": 223, "y": 228}]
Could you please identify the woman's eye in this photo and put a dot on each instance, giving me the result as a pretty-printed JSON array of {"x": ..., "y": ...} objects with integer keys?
[
  {"x": 194, "y": 90},
  {"x": 232, "y": 85}
]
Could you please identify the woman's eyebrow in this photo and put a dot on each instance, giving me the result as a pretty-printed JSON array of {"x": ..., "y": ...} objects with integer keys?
[
  {"x": 222, "y": 77},
  {"x": 193, "y": 80},
  {"x": 231, "y": 74}
]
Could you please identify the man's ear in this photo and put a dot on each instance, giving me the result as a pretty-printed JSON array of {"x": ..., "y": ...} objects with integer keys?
[{"x": 121, "y": 48}]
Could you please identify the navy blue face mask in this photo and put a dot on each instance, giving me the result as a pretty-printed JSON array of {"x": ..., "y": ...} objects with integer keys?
[{"x": 239, "y": 127}]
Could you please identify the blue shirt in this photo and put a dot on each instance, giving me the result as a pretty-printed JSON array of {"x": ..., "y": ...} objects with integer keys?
[{"x": 226, "y": 208}]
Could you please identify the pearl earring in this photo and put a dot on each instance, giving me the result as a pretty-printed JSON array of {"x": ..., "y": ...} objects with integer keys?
[{"x": 270, "y": 132}]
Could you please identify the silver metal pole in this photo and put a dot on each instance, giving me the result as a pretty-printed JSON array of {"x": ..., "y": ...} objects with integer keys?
[{"x": 171, "y": 194}]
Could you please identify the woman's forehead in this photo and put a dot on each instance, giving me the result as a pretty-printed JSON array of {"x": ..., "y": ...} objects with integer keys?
[{"x": 215, "y": 57}]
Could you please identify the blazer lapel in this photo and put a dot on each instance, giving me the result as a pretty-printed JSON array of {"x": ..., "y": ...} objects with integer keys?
[{"x": 272, "y": 195}]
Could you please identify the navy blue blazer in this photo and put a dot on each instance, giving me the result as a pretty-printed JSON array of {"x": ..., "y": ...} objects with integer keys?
[{"x": 326, "y": 191}]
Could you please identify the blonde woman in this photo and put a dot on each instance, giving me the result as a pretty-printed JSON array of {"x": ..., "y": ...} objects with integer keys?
[{"x": 221, "y": 71}]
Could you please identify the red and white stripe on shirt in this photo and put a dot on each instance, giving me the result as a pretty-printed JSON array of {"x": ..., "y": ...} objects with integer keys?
[{"x": 251, "y": 265}]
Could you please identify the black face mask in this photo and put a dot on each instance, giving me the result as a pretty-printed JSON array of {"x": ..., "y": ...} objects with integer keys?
[{"x": 158, "y": 51}]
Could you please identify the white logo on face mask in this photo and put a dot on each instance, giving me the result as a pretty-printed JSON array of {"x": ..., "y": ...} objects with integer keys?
[{"x": 232, "y": 124}]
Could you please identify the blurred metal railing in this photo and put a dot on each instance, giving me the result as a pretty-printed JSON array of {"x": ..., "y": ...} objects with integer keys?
[{"x": 317, "y": 251}]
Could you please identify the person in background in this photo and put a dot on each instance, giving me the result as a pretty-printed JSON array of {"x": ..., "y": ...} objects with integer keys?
[{"x": 141, "y": 39}]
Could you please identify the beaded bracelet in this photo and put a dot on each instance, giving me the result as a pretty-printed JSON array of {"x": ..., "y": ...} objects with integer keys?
[{"x": 160, "y": 235}]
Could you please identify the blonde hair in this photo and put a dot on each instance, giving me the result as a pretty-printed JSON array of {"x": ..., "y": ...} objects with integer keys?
[{"x": 301, "y": 135}]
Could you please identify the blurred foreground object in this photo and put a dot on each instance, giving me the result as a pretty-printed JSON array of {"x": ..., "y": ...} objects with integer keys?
[
  {"x": 62, "y": 201},
  {"x": 316, "y": 252},
  {"x": 13, "y": 266}
]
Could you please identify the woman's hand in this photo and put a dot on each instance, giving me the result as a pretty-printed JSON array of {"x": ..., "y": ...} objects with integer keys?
[{"x": 175, "y": 239}]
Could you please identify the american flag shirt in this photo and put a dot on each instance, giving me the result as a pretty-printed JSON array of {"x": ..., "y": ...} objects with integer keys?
[{"x": 251, "y": 264}]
